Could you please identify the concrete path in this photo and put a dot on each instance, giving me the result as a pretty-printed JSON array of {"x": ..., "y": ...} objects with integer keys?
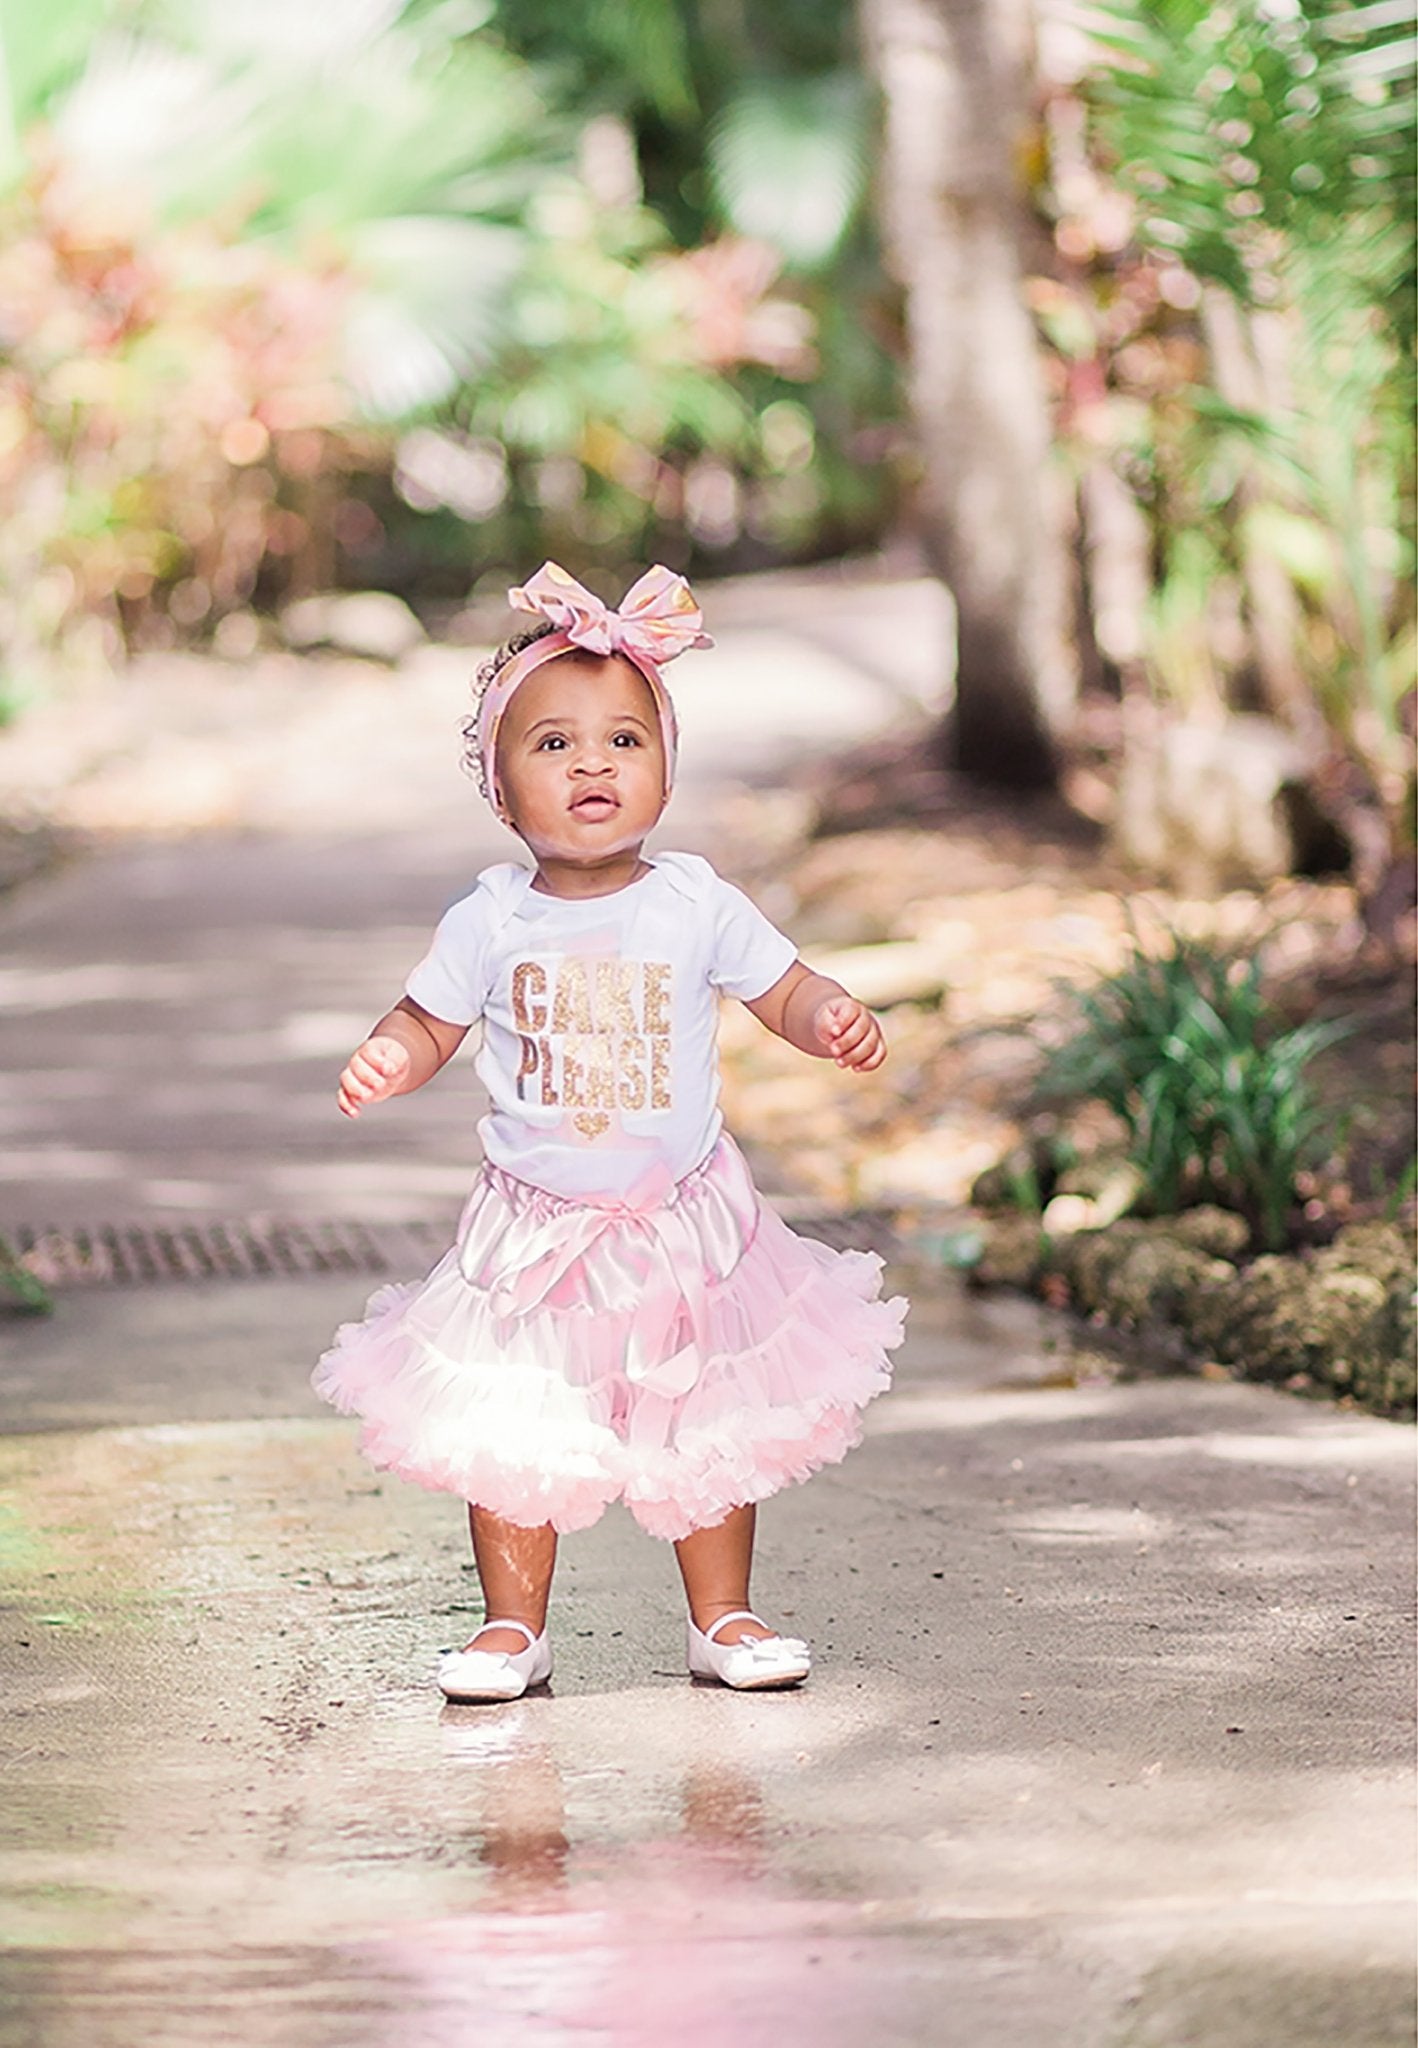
[{"x": 1109, "y": 1741}]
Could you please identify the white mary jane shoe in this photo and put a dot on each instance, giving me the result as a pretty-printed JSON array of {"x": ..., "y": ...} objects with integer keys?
[
  {"x": 473, "y": 1675},
  {"x": 756, "y": 1666}
]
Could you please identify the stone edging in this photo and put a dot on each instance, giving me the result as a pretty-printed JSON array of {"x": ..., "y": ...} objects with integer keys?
[{"x": 1340, "y": 1320}]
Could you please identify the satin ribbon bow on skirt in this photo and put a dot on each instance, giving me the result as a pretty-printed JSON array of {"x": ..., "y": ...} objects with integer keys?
[{"x": 650, "y": 1260}]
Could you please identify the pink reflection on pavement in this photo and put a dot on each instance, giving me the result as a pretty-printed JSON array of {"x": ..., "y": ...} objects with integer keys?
[{"x": 605, "y": 1944}]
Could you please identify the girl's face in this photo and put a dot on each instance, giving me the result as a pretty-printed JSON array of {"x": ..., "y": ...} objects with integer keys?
[{"x": 581, "y": 760}]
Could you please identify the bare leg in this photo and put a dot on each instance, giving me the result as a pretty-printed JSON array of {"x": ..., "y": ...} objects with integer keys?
[
  {"x": 515, "y": 1566},
  {"x": 715, "y": 1565}
]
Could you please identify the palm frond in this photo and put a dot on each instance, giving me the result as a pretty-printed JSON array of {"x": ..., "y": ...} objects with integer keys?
[
  {"x": 788, "y": 163},
  {"x": 42, "y": 51}
]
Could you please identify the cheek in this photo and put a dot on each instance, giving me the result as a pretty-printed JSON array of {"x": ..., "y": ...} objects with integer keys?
[{"x": 524, "y": 783}]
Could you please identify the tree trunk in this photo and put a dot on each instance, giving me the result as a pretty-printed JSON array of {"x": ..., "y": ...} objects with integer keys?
[
  {"x": 952, "y": 223},
  {"x": 1273, "y": 609}
]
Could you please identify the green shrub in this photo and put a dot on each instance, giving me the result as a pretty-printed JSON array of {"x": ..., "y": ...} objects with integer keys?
[{"x": 1181, "y": 1047}]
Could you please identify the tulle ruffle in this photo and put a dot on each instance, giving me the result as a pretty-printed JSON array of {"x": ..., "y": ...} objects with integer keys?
[{"x": 541, "y": 1369}]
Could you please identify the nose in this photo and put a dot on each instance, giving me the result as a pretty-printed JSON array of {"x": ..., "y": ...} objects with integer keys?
[{"x": 592, "y": 758}]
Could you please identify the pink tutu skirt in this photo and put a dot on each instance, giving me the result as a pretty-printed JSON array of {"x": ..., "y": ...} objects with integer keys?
[{"x": 686, "y": 1355}]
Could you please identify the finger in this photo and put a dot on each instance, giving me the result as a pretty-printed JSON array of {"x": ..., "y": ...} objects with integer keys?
[
  {"x": 853, "y": 1035},
  {"x": 854, "y": 1027},
  {"x": 385, "y": 1055},
  {"x": 834, "y": 1018},
  {"x": 375, "y": 1062},
  {"x": 362, "y": 1084},
  {"x": 382, "y": 1070},
  {"x": 869, "y": 1051},
  {"x": 871, "y": 1056}
]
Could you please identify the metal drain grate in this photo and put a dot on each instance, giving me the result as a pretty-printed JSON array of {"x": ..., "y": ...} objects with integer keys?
[
  {"x": 257, "y": 1248},
  {"x": 250, "y": 1248}
]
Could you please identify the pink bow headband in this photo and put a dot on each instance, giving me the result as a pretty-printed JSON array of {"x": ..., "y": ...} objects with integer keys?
[{"x": 657, "y": 619}]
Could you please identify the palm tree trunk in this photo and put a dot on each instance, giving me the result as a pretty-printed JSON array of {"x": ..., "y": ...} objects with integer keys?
[
  {"x": 1273, "y": 610},
  {"x": 952, "y": 222}
]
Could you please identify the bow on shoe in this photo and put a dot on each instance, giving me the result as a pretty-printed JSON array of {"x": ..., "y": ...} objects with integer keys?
[
  {"x": 656, "y": 620},
  {"x": 771, "y": 1649}
]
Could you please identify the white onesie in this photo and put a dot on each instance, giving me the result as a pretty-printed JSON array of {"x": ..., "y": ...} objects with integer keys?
[{"x": 599, "y": 1018}]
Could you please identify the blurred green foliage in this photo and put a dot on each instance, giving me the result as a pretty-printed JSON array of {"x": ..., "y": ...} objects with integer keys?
[
  {"x": 21, "y": 1289},
  {"x": 369, "y": 290},
  {"x": 1235, "y": 323},
  {"x": 412, "y": 292}
]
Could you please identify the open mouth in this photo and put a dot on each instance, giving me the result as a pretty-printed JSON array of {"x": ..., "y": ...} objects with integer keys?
[{"x": 596, "y": 803}]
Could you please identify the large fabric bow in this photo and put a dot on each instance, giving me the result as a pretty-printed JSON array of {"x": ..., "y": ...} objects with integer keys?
[
  {"x": 649, "y": 1263},
  {"x": 657, "y": 618}
]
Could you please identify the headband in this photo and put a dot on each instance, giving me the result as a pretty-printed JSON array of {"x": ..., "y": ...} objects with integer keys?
[{"x": 657, "y": 619}]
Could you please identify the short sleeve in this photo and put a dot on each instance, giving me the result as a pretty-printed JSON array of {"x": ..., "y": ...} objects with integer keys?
[
  {"x": 451, "y": 980},
  {"x": 750, "y": 954}
]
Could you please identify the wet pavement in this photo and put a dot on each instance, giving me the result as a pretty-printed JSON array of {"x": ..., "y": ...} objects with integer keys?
[
  {"x": 1107, "y": 1744},
  {"x": 1109, "y": 1740}
]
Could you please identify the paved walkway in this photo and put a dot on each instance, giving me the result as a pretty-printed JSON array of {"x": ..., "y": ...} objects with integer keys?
[{"x": 1109, "y": 1743}]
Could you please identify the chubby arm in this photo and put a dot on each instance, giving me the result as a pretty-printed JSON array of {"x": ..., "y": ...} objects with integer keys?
[
  {"x": 404, "y": 1050},
  {"x": 818, "y": 1016}
]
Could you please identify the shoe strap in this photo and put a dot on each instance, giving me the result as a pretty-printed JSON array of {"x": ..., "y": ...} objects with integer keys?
[
  {"x": 739, "y": 1614},
  {"x": 532, "y": 1637}
]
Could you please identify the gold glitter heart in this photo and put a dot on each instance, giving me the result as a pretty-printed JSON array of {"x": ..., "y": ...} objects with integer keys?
[{"x": 592, "y": 1123}]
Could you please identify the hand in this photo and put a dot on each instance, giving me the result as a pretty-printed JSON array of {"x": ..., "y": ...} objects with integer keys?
[
  {"x": 850, "y": 1032},
  {"x": 375, "y": 1072}
]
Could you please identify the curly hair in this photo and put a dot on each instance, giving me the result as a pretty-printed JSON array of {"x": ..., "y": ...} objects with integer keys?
[{"x": 482, "y": 683}]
